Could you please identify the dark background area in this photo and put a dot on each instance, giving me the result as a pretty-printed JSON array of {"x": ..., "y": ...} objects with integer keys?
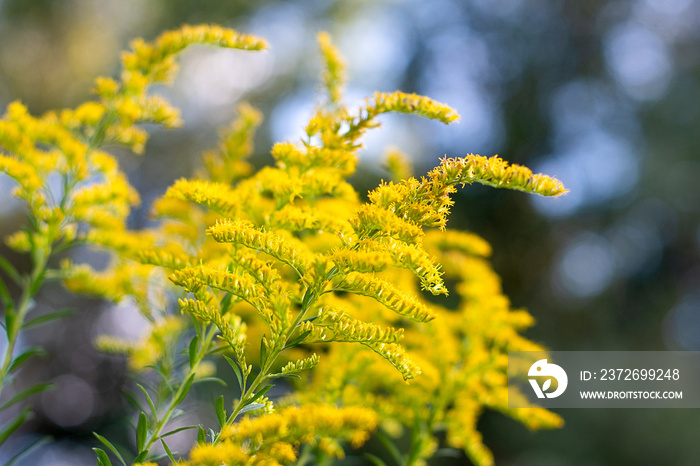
[{"x": 602, "y": 94}]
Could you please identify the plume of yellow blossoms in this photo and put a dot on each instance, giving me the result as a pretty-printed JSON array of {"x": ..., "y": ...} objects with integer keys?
[
  {"x": 74, "y": 191},
  {"x": 284, "y": 272},
  {"x": 298, "y": 263}
]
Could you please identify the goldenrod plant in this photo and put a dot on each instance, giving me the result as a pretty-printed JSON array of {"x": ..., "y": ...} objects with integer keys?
[
  {"x": 73, "y": 190},
  {"x": 287, "y": 276}
]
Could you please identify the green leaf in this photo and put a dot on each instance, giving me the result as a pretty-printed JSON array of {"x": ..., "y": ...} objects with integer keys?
[
  {"x": 27, "y": 450},
  {"x": 141, "y": 456},
  {"x": 201, "y": 435},
  {"x": 10, "y": 270},
  {"x": 167, "y": 451},
  {"x": 141, "y": 431},
  {"x": 5, "y": 295},
  {"x": 176, "y": 414},
  {"x": 25, "y": 393},
  {"x": 48, "y": 318},
  {"x": 251, "y": 407},
  {"x": 149, "y": 400},
  {"x": 225, "y": 304},
  {"x": 193, "y": 350},
  {"x": 261, "y": 393},
  {"x": 183, "y": 390},
  {"x": 237, "y": 370},
  {"x": 218, "y": 350},
  {"x": 102, "y": 458},
  {"x": 180, "y": 429},
  {"x": 297, "y": 340},
  {"x": 22, "y": 358},
  {"x": 15, "y": 423},
  {"x": 109, "y": 445},
  {"x": 211, "y": 379},
  {"x": 10, "y": 317},
  {"x": 37, "y": 283},
  {"x": 221, "y": 410},
  {"x": 263, "y": 352}
]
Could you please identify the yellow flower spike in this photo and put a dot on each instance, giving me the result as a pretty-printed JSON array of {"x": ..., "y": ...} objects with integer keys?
[
  {"x": 281, "y": 248},
  {"x": 216, "y": 455},
  {"x": 300, "y": 365},
  {"x": 346, "y": 329},
  {"x": 114, "y": 345},
  {"x": 451, "y": 240},
  {"x": 494, "y": 172},
  {"x": 227, "y": 162},
  {"x": 233, "y": 329},
  {"x": 384, "y": 293},
  {"x": 216, "y": 196},
  {"x": 397, "y": 164},
  {"x": 23, "y": 173},
  {"x": 396, "y": 355},
  {"x": 409, "y": 103},
  {"x": 334, "y": 71},
  {"x": 370, "y": 220},
  {"x": 154, "y": 60}
]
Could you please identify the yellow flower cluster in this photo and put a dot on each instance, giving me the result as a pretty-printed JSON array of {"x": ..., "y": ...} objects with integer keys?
[
  {"x": 273, "y": 439},
  {"x": 278, "y": 262}
]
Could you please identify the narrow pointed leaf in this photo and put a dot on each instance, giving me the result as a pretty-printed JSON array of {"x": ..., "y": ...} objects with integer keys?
[
  {"x": 201, "y": 435},
  {"x": 236, "y": 370},
  {"x": 22, "y": 358},
  {"x": 43, "y": 319},
  {"x": 149, "y": 400},
  {"x": 180, "y": 429},
  {"x": 193, "y": 350},
  {"x": 260, "y": 393},
  {"x": 251, "y": 407},
  {"x": 167, "y": 451},
  {"x": 263, "y": 352},
  {"x": 141, "y": 456},
  {"x": 102, "y": 458},
  {"x": 298, "y": 339},
  {"x": 225, "y": 303},
  {"x": 5, "y": 295},
  {"x": 211, "y": 379},
  {"x": 141, "y": 431},
  {"x": 10, "y": 270},
  {"x": 14, "y": 424},
  {"x": 25, "y": 393},
  {"x": 10, "y": 317},
  {"x": 184, "y": 390},
  {"x": 221, "y": 410},
  {"x": 111, "y": 447}
]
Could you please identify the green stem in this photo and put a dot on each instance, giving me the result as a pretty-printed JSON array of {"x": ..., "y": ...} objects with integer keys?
[
  {"x": 249, "y": 392},
  {"x": 309, "y": 298},
  {"x": 31, "y": 286},
  {"x": 201, "y": 353}
]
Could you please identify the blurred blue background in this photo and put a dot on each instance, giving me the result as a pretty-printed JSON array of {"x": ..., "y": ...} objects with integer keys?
[{"x": 602, "y": 94}]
